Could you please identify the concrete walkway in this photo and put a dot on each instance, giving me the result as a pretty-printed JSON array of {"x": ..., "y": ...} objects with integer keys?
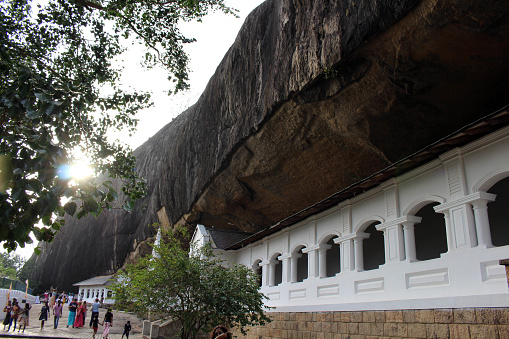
[{"x": 34, "y": 328}]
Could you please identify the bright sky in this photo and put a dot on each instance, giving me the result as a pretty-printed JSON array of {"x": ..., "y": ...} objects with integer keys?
[{"x": 214, "y": 37}]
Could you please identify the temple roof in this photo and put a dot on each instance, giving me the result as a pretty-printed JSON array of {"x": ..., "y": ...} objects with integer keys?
[{"x": 100, "y": 280}]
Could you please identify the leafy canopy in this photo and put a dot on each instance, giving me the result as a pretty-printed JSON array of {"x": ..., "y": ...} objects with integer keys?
[
  {"x": 10, "y": 265},
  {"x": 60, "y": 95},
  {"x": 196, "y": 290}
]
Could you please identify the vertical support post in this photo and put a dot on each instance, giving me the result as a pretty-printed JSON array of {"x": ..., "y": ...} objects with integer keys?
[
  {"x": 482, "y": 222},
  {"x": 409, "y": 234}
]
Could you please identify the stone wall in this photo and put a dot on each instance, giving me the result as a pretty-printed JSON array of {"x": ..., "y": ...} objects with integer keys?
[{"x": 468, "y": 323}]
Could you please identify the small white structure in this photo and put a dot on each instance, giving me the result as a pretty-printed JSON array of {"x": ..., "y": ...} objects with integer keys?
[
  {"x": 96, "y": 287},
  {"x": 429, "y": 238}
]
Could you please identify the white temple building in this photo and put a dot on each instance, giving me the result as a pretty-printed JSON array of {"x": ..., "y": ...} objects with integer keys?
[
  {"x": 96, "y": 287},
  {"x": 431, "y": 237}
]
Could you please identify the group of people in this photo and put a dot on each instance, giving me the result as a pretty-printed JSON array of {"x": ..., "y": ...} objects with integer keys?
[
  {"x": 77, "y": 315},
  {"x": 76, "y": 318},
  {"x": 13, "y": 312}
]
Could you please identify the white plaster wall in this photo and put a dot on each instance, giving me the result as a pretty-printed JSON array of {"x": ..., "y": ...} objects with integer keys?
[
  {"x": 431, "y": 183},
  {"x": 495, "y": 154},
  {"x": 277, "y": 244},
  {"x": 373, "y": 206},
  {"x": 14, "y": 294},
  {"x": 259, "y": 251},
  {"x": 466, "y": 276},
  {"x": 328, "y": 225},
  {"x": 300, "y": 236}
]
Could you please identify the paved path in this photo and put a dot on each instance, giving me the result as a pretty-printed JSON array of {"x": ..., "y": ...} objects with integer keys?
[{"x": 34, "y": 329}]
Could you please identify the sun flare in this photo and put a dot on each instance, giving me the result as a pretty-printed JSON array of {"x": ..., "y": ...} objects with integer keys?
[{"x": 76, "y": 171}]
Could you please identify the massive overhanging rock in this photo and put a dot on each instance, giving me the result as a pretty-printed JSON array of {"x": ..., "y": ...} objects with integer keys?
[{"x": 312, "y": 97}]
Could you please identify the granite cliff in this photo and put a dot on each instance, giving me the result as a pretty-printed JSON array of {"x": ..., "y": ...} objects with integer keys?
[{"x": 312, "y": 97}]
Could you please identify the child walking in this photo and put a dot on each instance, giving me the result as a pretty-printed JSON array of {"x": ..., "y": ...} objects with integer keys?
[
  {"x": 95, "y": 323},
  {"x": 24, "y": 317},
  {"x": 127, "y": 329}
]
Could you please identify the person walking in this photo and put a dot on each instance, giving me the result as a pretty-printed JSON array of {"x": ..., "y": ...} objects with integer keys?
[
  {"x": 16, "y": 310},
  {"x": 7, "y": 310},
  {"x": 78, "y": 322},
  {"x": 25, "y": 313},
  {"x": 127, "y": 329},
  {"x": 108, "y": 322},
  {"x": 85, "y": 309},
  {"x": 52, "y": 299},
  {"x": 57, "y": 313},
  {"x": 95, "y": 323},
  {"x": 43, "y": 315},
  {"x": 95, "y": 310},
  {"x": 73, "y": 306}
]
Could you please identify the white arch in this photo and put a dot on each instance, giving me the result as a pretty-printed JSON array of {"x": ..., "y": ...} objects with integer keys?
[
  {"x": 300, "y": 244},
  {"x": 273, "y": 254},
  {"x": 364, "y": 223},
  {"x": 417, "y": 204},
  {"x": 259, "y": 260},
  {"x": 490, "y": 179},
  {"x": 329, "y": 235}
]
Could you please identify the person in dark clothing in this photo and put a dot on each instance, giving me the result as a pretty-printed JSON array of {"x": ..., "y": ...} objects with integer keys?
[
  {"x": 43, "y": 315},
  {"x": 108, "y": 321},
  {"x": 127, "y": 329},
  {"x": 95, "y": 323}
]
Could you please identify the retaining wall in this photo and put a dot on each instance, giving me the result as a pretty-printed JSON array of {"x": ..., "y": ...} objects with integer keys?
[{"x": 467, "y": 323}]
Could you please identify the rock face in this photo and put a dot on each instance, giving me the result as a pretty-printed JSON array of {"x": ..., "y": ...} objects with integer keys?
[{"x": 312, "y": 97}]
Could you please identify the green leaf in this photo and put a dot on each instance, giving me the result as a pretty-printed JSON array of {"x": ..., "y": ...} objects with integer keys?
[
  {"x": 42, "y": 96},
  {"x": 81, "y": 214},
  {"x": 70, "y": 208},
  {"x": 46, "y": 220},
  {"x": 129, "y": 205}
]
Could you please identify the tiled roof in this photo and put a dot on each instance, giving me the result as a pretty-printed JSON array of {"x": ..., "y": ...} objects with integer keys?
[
  {"x": 100, "y": 280},
  {"x": 225, "y": 238}
]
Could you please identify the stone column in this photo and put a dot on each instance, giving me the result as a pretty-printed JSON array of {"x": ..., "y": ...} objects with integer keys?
[
  {"x": 482, "y": 222},
  {"x": 322, "y": 260},
  {"x": 393, "y": 241},
  {"x": 293, "y": 268},
  {"x": 358, "y": 250},
  {"x": 265, "y": 273},
  {"x": 346, "y": 253},
  {"x": 286, "y": 268},
  {"x": 409, "y": 233},
  {"x": 312, "y": 263},
  {"x": 448, "y": 231},
  {"x": 272, "y": 272}
]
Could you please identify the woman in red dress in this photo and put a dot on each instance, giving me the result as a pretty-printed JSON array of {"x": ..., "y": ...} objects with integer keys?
[{"x": 79, "y": 316}]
